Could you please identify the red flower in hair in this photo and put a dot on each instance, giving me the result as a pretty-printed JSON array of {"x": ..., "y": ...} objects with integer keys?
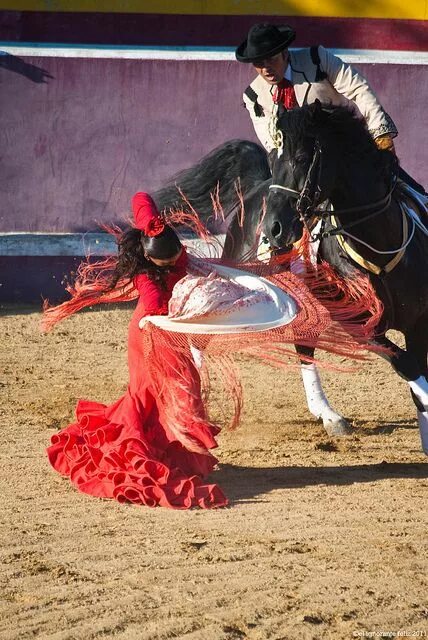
[
  {"x": 146, "y": 215},
  {"x": 155, "y": 227}
]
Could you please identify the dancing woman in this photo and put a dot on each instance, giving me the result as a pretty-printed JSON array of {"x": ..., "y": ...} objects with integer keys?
[{"x": 138, "y": 449}]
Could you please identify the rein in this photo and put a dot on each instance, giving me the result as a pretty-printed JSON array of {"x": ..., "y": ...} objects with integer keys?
[
  {"x": 307, "y": 202},
  {"x": 306, "y": 207},
  {"x": 382, "y": 204}
]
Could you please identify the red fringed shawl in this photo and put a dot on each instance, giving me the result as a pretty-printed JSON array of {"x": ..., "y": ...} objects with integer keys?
[{"x": 152, "y": 446}]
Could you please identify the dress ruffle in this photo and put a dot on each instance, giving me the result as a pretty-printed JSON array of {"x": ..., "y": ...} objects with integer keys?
[
  {"x": 131, "y": 450},
  {"x": 107, "y": 459}
]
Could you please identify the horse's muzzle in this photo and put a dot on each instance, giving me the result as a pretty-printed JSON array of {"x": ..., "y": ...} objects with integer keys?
[{"x": 282, "y": 237}]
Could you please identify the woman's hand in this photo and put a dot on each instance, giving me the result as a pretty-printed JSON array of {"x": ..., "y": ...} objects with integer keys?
[{"x": 144, "y": 321}]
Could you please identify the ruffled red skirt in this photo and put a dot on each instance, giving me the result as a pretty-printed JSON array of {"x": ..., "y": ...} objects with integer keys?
[{"x": 127, "y": 452}]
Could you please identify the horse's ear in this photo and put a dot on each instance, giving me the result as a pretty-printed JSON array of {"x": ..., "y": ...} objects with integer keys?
[
  {"x": 320, "y": 112},
  {"x": 315, "y": 110},
  {"x": 317, "y": 107}
]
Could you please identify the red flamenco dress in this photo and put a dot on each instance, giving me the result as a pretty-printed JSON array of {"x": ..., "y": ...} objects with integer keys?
[{"x": 151, "y": 447}]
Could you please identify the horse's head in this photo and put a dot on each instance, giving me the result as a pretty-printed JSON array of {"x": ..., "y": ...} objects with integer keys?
[{"x": 303, "y": 175}]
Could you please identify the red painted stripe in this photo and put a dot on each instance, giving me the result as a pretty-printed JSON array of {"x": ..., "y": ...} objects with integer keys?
[{"x": 203, "y": 30}]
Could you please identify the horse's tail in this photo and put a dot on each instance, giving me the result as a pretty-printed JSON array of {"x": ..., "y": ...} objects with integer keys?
[{"x": 231, "y": 169}]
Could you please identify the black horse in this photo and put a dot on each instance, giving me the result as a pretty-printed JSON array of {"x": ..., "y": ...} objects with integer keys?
[{"x": 326, "y": 156}]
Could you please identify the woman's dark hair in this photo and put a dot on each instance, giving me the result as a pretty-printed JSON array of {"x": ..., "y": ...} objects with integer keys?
[
  {"x": 133, "y": 247},
  {"x": 162, "y": 247}
]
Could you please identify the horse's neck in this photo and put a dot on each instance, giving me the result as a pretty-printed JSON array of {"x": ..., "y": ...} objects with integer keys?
[
  {"x": 358, "y": 187},
  {"x": 381, "y": 225}
]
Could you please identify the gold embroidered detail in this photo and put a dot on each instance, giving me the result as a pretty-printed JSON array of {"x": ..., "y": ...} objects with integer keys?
[
  {"x": 388, "y": 127},
  {"x": 276, "y": 134}
]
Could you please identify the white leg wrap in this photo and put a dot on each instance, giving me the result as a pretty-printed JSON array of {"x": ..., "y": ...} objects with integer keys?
[
  {"x": 423, "y": 430},
  {"x": 420, "y": 389},
  {"x": 197, "y": 356},
  {"x": 318, "y": 404}
]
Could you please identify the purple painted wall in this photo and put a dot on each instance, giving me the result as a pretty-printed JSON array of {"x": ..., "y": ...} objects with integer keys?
[
  {"x": 80, "y": 136},
  {"x": 206, "y": 30}
]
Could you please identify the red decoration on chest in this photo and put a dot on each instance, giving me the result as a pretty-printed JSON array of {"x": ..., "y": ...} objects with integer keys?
[{"x": 284, "y": 94}]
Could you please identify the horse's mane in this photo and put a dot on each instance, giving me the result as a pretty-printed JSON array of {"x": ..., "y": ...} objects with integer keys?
[
  {"x": 232, "y": 168},
  {"x": 339, "y": 125},
  {"x": 312, "y": 119}
]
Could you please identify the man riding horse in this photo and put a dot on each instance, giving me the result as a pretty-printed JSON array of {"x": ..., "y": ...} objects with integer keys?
[
  {"x": 315, "y": 74},
  {"x": 287, "y": 79}
]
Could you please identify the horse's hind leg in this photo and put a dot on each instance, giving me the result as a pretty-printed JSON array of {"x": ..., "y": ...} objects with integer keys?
[
  {"x": 318, "y": 405},
  {"x": 412, "y": 366}
]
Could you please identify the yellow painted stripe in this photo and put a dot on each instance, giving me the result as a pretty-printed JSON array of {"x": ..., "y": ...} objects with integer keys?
[{"x": 398, "y": 9}]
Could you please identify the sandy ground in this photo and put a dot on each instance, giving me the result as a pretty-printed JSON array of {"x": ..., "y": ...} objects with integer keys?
[{"x": 324, "y": 538}]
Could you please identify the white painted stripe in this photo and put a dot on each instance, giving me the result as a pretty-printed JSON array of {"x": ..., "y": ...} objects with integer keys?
[
  {"x": 194, "y": 53},
  {"x": 74, "y": 244},
  {"x": 382, "y": 57}
]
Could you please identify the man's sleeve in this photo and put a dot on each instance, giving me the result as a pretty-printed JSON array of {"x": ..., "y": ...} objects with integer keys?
[{"x": 348, "y": 82}]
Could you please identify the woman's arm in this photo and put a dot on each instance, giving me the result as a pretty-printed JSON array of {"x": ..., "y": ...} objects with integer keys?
[
  {"x": 154, "y": 298},
  {"x": 146, "y": 215}
]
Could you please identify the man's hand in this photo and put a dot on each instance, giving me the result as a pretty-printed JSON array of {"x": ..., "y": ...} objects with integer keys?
[{"x": 385, "y": 142}]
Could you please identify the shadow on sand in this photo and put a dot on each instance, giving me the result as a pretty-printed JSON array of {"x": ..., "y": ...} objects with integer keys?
[{"x": 246, "y": 483}]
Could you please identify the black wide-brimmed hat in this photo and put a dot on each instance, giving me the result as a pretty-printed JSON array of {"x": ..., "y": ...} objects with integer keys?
[{"x": 264, "y": 41}]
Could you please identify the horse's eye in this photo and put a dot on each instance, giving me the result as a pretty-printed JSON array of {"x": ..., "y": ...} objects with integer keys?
[{"x": 300, "y": 159}]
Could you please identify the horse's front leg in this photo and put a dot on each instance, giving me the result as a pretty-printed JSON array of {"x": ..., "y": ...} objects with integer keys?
[{"x": 318, "y": 405}]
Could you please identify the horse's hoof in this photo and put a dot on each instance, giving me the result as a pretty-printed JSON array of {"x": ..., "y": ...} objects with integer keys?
[{"x": 337, "y": 427}]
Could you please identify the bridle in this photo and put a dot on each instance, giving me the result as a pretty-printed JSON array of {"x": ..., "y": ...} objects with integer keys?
[
  {"x": 309, "y": 197},
  {"x": 309, "y": 201}
]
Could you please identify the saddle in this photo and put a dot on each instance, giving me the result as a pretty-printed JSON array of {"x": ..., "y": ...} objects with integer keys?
[{"x": 414, "y": 211}]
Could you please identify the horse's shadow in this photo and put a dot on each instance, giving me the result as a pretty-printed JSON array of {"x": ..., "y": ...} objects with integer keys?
[
  {"x": 388, "y": 427},
  {"x": 246, "y": 483}
]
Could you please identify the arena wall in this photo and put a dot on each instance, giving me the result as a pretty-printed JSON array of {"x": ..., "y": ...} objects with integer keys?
[
  {"x": 85, "y": 125},
  {"x": 394, "y": 24}
]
